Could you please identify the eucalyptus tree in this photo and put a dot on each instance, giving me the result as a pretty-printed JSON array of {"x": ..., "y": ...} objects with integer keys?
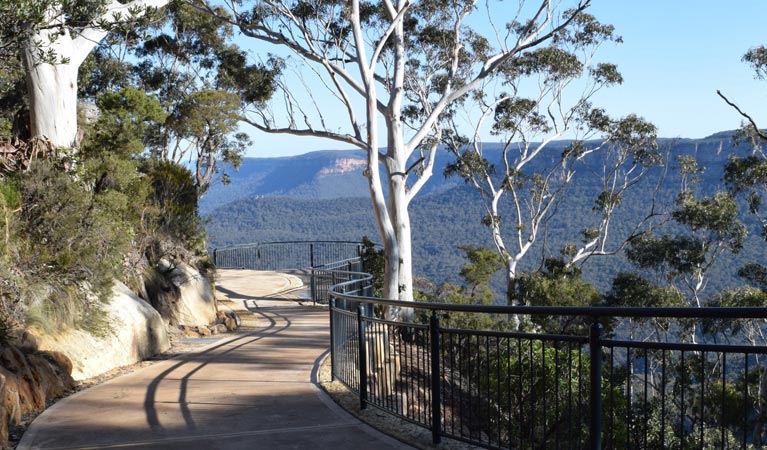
[
  {"x": 394, "y": 71},
  {"x": 709, "y": 227},
  {"x": 189, "y": 62},
  {"x": 203, "y": 79},
  {"x": 51, "y": 39},
  {"x": 545, "y": 95}
]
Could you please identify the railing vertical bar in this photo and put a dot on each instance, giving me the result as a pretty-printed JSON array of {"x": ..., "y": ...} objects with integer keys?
[
  {"x": 611, "y": 386},
  {"x": 499, "y": 409},
  {"x": 681, "y": 402},
  {"x": 533, "y": 399},
  {"x": 721, "y": 405},
  {"x": 745, "y": 401},
  {"x": 702, "y": 396},
  {"x": 629, "y": 376},
  {"x": 556, "y": 395},
  {"x": 543, "y": 391},
  {"x": 332, "y": 341},
  {"x": 452, "y": 385},
  {"x": 663, "y": 400},
  {"x": 363, "y": 377},
  {"x": 646, "y": 399},
  {"x": 595, "y": 349},
  {"x": 521, "y": 393},
  {"x": 436, "y": 380},
  {"x": 508, "y": 389},
  {"x": 580, "y": 394},
  {"x": 487, "y": 384}
]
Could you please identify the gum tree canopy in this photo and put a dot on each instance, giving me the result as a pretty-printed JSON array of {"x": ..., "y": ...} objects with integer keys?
[
  {"x": 394, "y": 72},
  {"x": 52, "y": 39}
]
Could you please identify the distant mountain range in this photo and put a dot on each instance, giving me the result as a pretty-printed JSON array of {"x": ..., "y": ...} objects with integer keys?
[{"x": 323, "y": 195}]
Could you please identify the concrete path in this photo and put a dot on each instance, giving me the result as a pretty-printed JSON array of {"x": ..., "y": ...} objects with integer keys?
[{"x": 253, "y": 390}]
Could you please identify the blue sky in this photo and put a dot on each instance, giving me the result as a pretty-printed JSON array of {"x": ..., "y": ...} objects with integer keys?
[{"x": 675, "y": 55}]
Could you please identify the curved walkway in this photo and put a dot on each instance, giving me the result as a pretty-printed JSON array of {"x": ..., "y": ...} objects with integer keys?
[{"x": 253, "y": 390}]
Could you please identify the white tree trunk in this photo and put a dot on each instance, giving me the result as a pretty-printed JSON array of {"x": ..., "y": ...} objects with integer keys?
[
  {"x": 52, "y": 58},
  {"x": 53, "y": 103},
  {"x": 52, "y": 88}
]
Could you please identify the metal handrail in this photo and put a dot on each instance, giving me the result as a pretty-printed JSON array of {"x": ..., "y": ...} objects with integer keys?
[
  {"x": 655, "y": 373},
  {"x": 579, "y": 311},
  {"x": 254, "y": 244},
  {"x": 514, "y": 389}
]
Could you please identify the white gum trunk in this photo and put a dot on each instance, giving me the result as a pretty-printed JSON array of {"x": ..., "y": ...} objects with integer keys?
[
  {"x": 52, "y": 57},
  {"x": 52, "y": 89},
  {"x": 53, "y": 103}
]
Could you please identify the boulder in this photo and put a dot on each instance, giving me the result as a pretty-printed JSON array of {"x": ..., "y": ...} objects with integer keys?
[
  {"x": 136, "y": 332},
  {"x": 182, "y": 294}
]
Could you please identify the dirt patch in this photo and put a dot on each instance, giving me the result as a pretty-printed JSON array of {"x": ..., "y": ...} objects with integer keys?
[{"x": 402, "y": 430}]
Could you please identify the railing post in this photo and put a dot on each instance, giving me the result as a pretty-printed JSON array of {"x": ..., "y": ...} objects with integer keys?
[
  {"x": 363, "y": 361},
  {"x": 595, "y": 394},
  {"x": 331, "y": 305},
  {"x": 313, "y": 286},
  {"x": 436, "y": 380},
  {"x": 311, "y": 254}
]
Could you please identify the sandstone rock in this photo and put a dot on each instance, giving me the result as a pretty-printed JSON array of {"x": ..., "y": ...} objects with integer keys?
[
  {"x": 213, "y": 329},
  {"x": 190, "y": 332},
  {"x": 233, "y": 315},
  {"x": 60, "y": 360},
  {"x": 136, "y": 332},
  {"x": 27, "y": 342},
  {"x": 221, "y": 328},
  {"x": 28, "y": 382},
  {"x": 203, "y": 330},
  {"x": 230, "y": 324},
  {"x": 197, "y": 304},
  {"x": 181, "y": 294}
]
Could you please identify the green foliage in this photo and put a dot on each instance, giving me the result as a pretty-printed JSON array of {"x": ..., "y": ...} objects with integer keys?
[
  {"x": 632, "y": 290},
  {"x": 483, "y": 264},
  {"x": 173, "y": 217},
  {"x": 73, "y": 238},
  {"x": 556, "y": 285},
  {"x": 477, "y": 274},
  {"x": 128, "y": 118},
  {"x": 757, "y": 59},
  {"x": 717, "y": 215},
  {"x": 374, "y": 263}
]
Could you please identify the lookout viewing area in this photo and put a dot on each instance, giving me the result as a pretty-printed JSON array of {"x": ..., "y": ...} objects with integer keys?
[
  {"x": 569, "y": 377},
  {"x": 255, "y": 389}
]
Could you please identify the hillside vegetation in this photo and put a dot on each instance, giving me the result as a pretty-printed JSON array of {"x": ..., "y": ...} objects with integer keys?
[{"x": 449, "y": 215}]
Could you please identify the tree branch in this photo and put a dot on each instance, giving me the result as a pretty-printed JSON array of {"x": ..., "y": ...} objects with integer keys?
[
  {"x": 746, "y": 116},
  {"x": 91, "y": 36}
]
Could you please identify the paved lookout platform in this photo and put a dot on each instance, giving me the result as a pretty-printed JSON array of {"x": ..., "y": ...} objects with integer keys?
[{"x": 251, "y": 390}]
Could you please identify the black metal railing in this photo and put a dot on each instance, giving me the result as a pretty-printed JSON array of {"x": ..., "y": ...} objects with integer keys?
[
  {"x": 285, "y": 255},
  {"x": 586, "y": 388},
  {"x": 326, "y": 262},
  {"x": 607, "y": 378}
]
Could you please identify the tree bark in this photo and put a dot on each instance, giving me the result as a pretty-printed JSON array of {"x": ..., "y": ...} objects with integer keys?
[
  {"x": 52, "y": 88},
  {"x": 51, "y": 60}
]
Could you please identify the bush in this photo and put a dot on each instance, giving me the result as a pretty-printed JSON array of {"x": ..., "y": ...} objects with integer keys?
[{"x": 173, "y": 226}]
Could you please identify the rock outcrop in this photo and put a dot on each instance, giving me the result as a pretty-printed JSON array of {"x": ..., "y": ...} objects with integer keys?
[
  {"x": 181, "y": 294},
  {"x": 28, "y": 382},
  {"x": 136, "y": 332}
]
